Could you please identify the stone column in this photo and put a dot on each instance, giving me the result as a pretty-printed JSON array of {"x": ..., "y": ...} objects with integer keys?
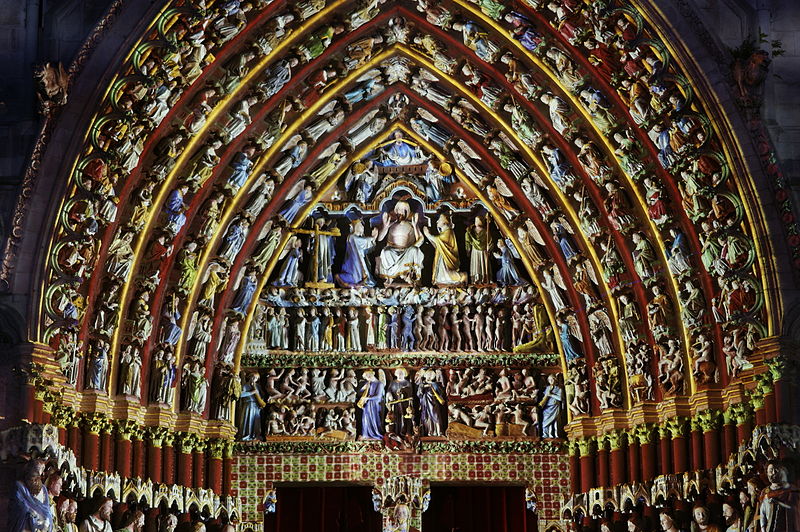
[
  {"x": 93, "y": 425},
  {"x": 185, "y": 470},
  {"x": 616, "y": 457},
  {"x": 729, "y": 445},
  {"x": 586, "y": 450},
  {"x": 634, "y": 458},
  {"x": 168, "y": 454},
  {"x": 664, "y": 451},
  {"x": 680, "y": 458},
  {"x": 48, "y": 402},
  {"x": 742, "y": 415},
  {"x": 401, "y": 500},
  {"x": 139, "y": 454},
  {"x": 61, "y": 419},
  {"x": 216, "y": 448},
  {"x": 766, "y": 388},
  {"x": 107, "y": 448},
  {"x": 199, "y": 462},
  {"x": 757, "y": 399},
  {"x": 227, "y": 468},
  {"x": 124, "y": 450},
  {"x": 784, "y": 375},
  {"x": 645, "y": 435},
  {"x": 710, "y": 423},
  {"x": 74, "y": 439},
  {"x": 27, "y": 378},
  {"x": 696, "y": 439},
  {"x": 155, "y": 461},
  {"x": 38, "y": 371},
  {"x": 574, "y": 467},
  {"x": 603, "y": 476}
]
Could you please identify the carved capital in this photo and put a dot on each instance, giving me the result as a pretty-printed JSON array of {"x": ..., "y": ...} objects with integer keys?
[
  {"x": 76, "y": 420},
  {"x": 644, "y": 434},
  {"x": 616, "y": 439},
  {"x": 586, "y": 446},
  {"x": 228, "y": 452},
  {"x": 158, "y": 434},
  {"x": 200, "y": 445},
  {"x": 572, "y": 448},
  {"x": 48, "y": 398},
  {"x": 127, "y": 428},
  {"x": 740, "y": 413},
  {"x": 169, "y": 438},
  {"x": 676, "y": 427},
  {"x": 709, "y": 420},
  {"x": 782, "y": 367},
  {"x": 187, "y": 442},
  {"x": 96, "y": 423},
  {"x": 62, "y": 416},
  {"x": 758, "y": 394},
  {"x": 216, "y": 447},
  {"x": 764, "y": 384},
  {"x": 32, "y": 374}
]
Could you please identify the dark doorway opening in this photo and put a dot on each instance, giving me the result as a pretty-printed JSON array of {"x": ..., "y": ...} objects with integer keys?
[
  {"x": 478, "y": 509},
  {"x": 324, "y": 509}
]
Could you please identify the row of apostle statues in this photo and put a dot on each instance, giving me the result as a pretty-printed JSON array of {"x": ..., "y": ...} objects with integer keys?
[
  {"x": 42, "y": 500},
  {"x": 762, "y": 501},
  {"x": 399, "y": 406},
  {"x": 765, "y": 502}
]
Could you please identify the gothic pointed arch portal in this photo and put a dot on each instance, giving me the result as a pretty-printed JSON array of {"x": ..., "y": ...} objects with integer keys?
[{"x": 420, "y": 227}]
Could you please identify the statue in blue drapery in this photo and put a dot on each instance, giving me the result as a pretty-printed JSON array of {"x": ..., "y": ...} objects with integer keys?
[
  {"x": 371, "y": 404},
  {"x": 175, "y": 209},
  {"x": 292, "y": 207},
  {"x": 245, "y": 294},
  {"x": 355, "y": 270},
  {"x": 171, "y": 331},
  {"x": 290, "y": 274},
  {"x": 399, "y": 152},
  {"x": 97, "y": 366},
  {"x": 432, "y": 405},
  {"x": 571, "y": 351},
  {"x": 248, "y": 415},
  {"x": 561, "y": 235},
  {"x": 29, "y": 507},
  {"x": 507, "y": 274},
  {"x": 551, "y": 403},
  {"x": 241, "y": 166}
]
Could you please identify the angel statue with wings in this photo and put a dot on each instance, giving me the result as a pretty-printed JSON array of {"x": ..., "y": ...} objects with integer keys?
[
  {"x": 297, "y": 198},
  {"x": 370, "y": 402},
  {"x": 569, "y": 333}
]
